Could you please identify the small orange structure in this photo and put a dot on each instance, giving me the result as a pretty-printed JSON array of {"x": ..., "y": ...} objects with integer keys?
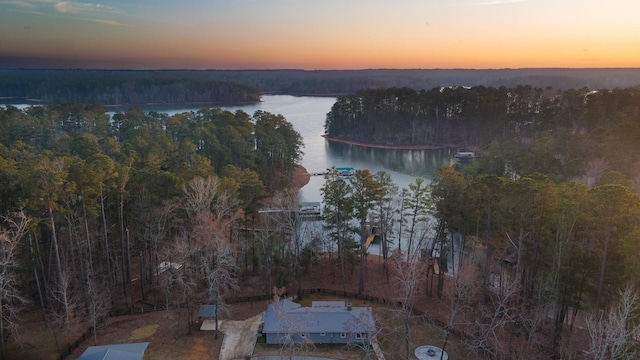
[{"x": 369, "y": 240}]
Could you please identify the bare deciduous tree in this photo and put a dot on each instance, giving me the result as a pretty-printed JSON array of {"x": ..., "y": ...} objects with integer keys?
[
  {"x": 11, "y": 300},
  {"x": 408, "y": 275},
  {"x": 593, "y": 172},
  {"x": 218, "y": 266},
  {"x": 295, "y": 340},
  {"x": 99, "y": 303},
  {"x": 185, "y": 278},
  {"x": 615, "y": 333},
  {"x": 362, "y": 333}
]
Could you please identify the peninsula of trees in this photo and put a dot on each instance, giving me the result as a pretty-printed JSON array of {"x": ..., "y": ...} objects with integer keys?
[{"x": 461, "y": 116}]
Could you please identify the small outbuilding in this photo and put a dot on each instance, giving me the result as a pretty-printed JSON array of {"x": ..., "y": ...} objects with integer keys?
[
  {"x": 132, "y": 351},
  {"x": 208, "y": 315},
  {"x": 325, "y": 322},
  {"x": 208, "y": 311}
]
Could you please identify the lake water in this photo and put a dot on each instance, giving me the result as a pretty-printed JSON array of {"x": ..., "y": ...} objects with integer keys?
[{"x": 307, "y": 114}]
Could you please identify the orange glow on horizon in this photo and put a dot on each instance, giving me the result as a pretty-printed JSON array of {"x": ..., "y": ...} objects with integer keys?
[{"x": 331, "y": 34}]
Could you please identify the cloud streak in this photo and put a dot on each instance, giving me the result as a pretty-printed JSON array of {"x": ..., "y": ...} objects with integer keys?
[
  {"x": 108, "y": 22},
  {"x": 88, "y": 12},
  {"x": 21, "y": 4},
  {"x": 74, "y": 7}
]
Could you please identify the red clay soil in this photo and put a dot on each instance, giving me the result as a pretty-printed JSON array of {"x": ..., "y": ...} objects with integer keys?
[{"x": 300, "y": 178}]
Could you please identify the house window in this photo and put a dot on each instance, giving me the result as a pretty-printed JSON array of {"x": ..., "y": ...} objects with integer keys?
[
  {"x": 323, "y": 333},
  {"x": 358, "y": 336},
  {"x": 343, "y": 335},
  {"x": 303, "y": 335}
]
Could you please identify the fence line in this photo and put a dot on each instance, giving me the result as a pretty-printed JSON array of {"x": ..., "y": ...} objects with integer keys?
[
  {"x": 147, "y": 307},
  {"x": 378, "y": 300}
]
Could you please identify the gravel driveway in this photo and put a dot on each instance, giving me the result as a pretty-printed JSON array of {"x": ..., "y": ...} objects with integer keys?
[{"x": 239, "y": 337}]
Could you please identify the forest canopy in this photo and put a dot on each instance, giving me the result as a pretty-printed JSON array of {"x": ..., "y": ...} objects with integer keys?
[
  {"x": 107, "y": 87},
  {"x": 139, "y": 152},
  {"x": 475, "y": 116}
]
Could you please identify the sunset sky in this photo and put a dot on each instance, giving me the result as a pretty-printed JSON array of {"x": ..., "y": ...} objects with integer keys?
[{"x": 322, "y": 34}]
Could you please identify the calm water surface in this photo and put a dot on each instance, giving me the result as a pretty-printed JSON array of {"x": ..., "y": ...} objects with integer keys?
[{"x": 307, "y": 114}]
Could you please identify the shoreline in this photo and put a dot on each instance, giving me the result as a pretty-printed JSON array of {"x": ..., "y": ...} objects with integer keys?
[
  {"x": 388, "y": 147},
  {"x": 300, "y": 178}
]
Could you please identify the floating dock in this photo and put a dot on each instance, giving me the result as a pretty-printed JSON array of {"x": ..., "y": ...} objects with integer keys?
[
  {"x": 309, "y": 209},
  {"x": 346, "y": 171},
  {"x": 342, "y": 171},
  {"x": 465, "y": 155}
]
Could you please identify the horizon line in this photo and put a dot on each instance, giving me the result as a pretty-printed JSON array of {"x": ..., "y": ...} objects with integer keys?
[{"x": 312, "y": 70}]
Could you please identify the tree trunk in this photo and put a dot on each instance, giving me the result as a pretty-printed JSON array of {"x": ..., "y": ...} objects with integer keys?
[
  {"x": 603, "y": 266},
  {"x": 363, "y": 256},
  {"x": 54, "y": 239}
]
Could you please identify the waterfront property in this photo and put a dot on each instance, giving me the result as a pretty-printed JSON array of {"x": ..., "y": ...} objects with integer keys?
[{"x": 325, "y": 322}]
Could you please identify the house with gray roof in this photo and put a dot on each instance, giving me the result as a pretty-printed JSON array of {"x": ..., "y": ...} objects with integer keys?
[{"x": 325, "y": 322}]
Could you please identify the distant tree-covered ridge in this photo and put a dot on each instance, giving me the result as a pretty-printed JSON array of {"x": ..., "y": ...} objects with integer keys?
[
  {"x": 166, "y": 86},
  {"x": 462, "y": 116},
  {"x": 120, "y": 88}
]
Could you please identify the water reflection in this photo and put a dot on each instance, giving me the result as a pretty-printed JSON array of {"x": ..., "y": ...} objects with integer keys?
[{"x": 416, "y": 163}]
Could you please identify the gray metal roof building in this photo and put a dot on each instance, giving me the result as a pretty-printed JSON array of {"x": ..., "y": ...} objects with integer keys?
[{"x": 323, "y": 322}]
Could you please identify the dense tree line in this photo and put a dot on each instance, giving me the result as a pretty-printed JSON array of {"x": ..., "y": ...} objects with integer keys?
[
  {"x": 528, "y": 258},
  {"x": 539, "y": 248},
  {"x": 477, "y": 115},
  {"x": 214, "y": 86},
  {"x": 93, "y": 204},
  {"x": 121, "y": 88},
  {"x": 330, "y": 82}
]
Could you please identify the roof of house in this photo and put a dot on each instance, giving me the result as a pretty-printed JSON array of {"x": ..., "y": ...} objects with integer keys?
[
  {"x": 133, "y": 351},
  {"x": 323, "y": 316},
  {"x": 207, "y": 311}
]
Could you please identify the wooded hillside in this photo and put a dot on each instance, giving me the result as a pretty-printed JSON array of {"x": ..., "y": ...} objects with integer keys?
[{"x": 89, "y": 203}]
